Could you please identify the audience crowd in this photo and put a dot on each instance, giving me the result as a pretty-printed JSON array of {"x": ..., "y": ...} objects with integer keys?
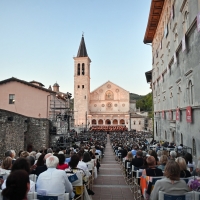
[{"x": 53, "y": 166}]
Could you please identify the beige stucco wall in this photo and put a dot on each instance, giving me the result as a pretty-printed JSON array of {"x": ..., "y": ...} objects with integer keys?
[
  {"x": 118, "y": 105},
  {"x": 29, "y": 101}
]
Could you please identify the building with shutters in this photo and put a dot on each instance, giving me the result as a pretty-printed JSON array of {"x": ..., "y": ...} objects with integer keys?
[{"x": 173, "y": 29}]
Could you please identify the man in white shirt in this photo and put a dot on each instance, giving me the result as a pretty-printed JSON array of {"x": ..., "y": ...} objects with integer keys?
[
  {"x": 54, "y": 181},
  {"x": 82, "y": 165}
]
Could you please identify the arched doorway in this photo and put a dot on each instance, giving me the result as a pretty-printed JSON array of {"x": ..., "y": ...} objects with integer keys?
[
  {"x": 94, "y": 122},
  {"x": 122, "y": 121},
  {"x": 100, "y": 122},
  {"x": 115, "y": 121},
  {"x": 108, "y": 121}
]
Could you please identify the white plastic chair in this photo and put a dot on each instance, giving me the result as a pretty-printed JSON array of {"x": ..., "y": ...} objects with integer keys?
[
  {"x": 79, "y": 182},
  {"x": 33, "y": 177},
  {"x": 196, "y": 195},
  {"x": 32, "y": 195},
  {"x": 1, "y": 197},
  {"x": 166, "y": 196}
]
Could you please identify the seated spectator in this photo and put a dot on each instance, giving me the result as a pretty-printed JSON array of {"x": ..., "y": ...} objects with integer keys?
[
  {"x": 67, "y": 160},
  {"x": 62, "y": 164},
  {"x": 31, "y": 161},
  {"x": 17, "y": 185},
  {"x": 188, "y": 158},
  {"x": 152, "y": 170},
  {"x": 7, "y": 164},
  {"x": 172, "y": 155},
  {"x": 134, "y": 150},
  {"x": 8, "y": 154},
  {"x": 138, "y": 160},
  {"x": 87, "y": 159},
  {"x": 6, "y": 167},
  {"x": 171, "y": 146},
  {"x": 54, "y": 181},
  {"x": 33, "y": 154},
  {"x": 172, "y": 183},
  {"x": 129, "y": 157},
  {"x": 165, "y": 152},
  {"x": 124, "y": 152},
  {"x": 163, "y": 162},
  {"x": 196, "y": 172},
  {"x": 154, "y": 154},
  {"x": 42, "y": 168},
  {"x": 13, "y": 155},
  {"x": 159, "y": 154},
  {"x": 49, "y": 150},
  {"x": 82, "y": 165},
  {"x": 21, "y": 164},
  {"x": 158, "y": 147},
  {"x": 24, "y": 154},
  {"x": 184, "y": 173}
]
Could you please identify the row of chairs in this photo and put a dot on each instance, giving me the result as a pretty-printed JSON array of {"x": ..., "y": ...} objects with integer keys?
[
  {"x": 193, "y": 195},
  {"x": 35, "y": 196},
  {"x": 138, "y": 183}
]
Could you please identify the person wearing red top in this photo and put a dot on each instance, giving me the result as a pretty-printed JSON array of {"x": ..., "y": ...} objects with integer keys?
[{"x": 62, "y": 164}]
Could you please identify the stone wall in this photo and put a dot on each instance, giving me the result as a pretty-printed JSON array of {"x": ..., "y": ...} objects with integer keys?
[{"x": 18, "y": 131}]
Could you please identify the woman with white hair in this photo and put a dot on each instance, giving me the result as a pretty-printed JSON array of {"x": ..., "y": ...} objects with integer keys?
[
  {"x": 184, "y": 173},
  {"x": 172, "y": 155}
]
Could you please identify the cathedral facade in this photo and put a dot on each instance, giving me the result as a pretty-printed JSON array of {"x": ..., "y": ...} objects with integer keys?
[{"x": 107, "y": 106}]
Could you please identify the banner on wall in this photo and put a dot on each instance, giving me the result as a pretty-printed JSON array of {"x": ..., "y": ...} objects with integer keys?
[
  {"x": 189, "y": 114},
  {"x": 177, "y": 114}
]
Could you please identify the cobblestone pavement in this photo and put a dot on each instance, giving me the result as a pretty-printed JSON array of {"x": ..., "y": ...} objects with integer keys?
[{"x": 110, "y": 183}]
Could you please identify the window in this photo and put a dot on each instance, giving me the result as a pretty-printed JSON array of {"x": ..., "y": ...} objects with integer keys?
[
  {"x": 179, "y": 96},
  {"x": 85, "y": 97},
  {"x": 156, "y": 129},
  {"x": 181, "y": 138},
  {"x": 78, "y": 70},
  {"x": 11, "y": 98},
  {"x": 83, "y": 69},
  {"x": 94, "y": 121},
  {"x": 82, "y": 86},
  {"x": 194, "y": 147},
  {"x": 165, "y": 135},
  {"x": 134, "y": 122},
  {"x": 139, "y": 122},
  {"x": 190, "y": 92},
  {"x": 78, "y": 86}
]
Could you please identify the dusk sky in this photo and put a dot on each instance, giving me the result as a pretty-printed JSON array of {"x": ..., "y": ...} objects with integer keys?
[{"x": 39, "y": 38}]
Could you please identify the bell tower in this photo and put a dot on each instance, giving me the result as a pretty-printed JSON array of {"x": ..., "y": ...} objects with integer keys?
[{"x": 81, "y": 86}]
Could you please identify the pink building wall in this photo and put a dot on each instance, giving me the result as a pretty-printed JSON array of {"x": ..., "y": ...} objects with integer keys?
[{"x": 29, "y": 101}]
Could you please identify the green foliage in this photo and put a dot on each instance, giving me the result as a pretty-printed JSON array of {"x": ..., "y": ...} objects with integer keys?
[
  {"x": 135, "y": 96},
  {"x": 145, "y": 104}
]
